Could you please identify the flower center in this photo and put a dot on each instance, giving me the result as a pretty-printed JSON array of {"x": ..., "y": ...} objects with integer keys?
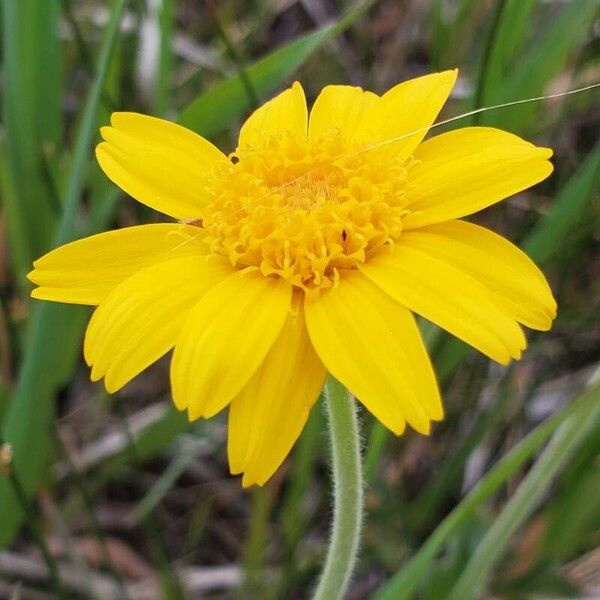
[{"x": 304, "y": 210}]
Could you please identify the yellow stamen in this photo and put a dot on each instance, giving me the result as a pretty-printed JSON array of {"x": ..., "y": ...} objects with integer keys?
[{"x": 302, "y": 210}]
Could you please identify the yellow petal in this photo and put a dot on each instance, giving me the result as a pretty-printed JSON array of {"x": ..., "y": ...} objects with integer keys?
[
  {"x": 466, "y": 170},
  {"x": 516, "y": 284},
  {"x": 411, "y": 106},
  {"x": 266, "y": 418},
  {"x": 141, "y": 318},
  {"x": 340, "y": 109},
  {"x": 450, "y": 298},
  {"x": 225, "y": 339},
  {"x": 286, "y": 112},
  {"x": 372, "y": 345},
  {"x": 85, "y": 271},
  {"x": 159, "y": 163}
]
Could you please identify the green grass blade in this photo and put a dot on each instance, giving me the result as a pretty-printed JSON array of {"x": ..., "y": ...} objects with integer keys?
[
  {"x": 32, "y": 124},
  {"x": 513, "y": 26},
  {"x": 28, "y": 419},
  {"x": 403, "y": 585},
  {"x": 492, "y": 547},
  {"x": 162, "y": 91},
  {"x": 219, "y": 107},
  {"x": 254, "y": 552},
  {"x": 103, "y": 194},
  {"x": 87, "y": 130},
  {"x": 568, "y": 216},
  {"x": 535, "y": 69},
  {"x": 43, "y": 23},
  {"x": 572, "y": 519},
  {"x": 233, "y": 54}
]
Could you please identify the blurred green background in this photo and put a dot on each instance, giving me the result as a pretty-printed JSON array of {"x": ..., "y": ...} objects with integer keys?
[{"x": 118, "y": 496}]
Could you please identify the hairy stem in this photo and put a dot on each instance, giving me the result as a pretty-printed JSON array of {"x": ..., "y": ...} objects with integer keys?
[{"x": 348, "y": 492}]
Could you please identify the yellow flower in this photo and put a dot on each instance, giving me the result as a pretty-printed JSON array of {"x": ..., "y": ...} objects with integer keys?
[{"x": 305, "y": 251}]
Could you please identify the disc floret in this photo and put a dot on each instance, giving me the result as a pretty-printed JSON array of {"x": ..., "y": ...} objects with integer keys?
[{"x": 304, "y": 210}]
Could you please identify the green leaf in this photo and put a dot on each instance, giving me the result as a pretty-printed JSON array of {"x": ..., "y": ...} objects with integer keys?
[
  {"x": 28, "y": 420},
  {"x": 405, "y": 582}
]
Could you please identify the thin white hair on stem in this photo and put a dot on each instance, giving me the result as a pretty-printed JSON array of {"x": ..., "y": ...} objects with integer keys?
[{"x": 408, "y": 134}]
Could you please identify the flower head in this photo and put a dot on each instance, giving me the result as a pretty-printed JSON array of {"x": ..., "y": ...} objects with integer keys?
[{"x": 307, "y": 250}]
